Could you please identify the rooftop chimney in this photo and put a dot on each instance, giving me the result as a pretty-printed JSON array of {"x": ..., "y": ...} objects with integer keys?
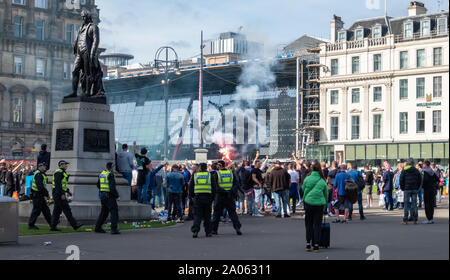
[
  {"x": 336, "y": 24},
  {"x": 416, "y": 8}
]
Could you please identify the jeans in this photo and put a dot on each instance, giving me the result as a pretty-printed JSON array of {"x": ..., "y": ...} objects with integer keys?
[
  {"x": 143, "y": 191},
  {"x": 293, "y": 193},
  {"x": 360, "y": 207},
  {"x": 267, "y": 198},
  {"x": 128, "y": 176},
  {"x": 164, "y": 196},
  {"x": 439, "y": 195},
  {"x": 175, "y": 203},
  {"x": 250, "y": 198},
  {"x": 411, "y": 203},
  {"x": 389, "y": 202},
  {"x": 278, "y": 196},
  {"x": 258, "y": 199},
  {"x": 2, "y": 189},
  {"x": 421, "y": 198}
]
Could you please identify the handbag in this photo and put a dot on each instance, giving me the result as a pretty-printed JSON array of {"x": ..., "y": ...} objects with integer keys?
[{"x": 381, "y": 200}]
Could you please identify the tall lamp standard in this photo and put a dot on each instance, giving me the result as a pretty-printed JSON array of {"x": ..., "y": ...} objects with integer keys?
[{"x": 166, "y": 60}]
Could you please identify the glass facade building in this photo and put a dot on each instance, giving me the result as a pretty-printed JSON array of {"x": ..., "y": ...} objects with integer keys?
[{"x": 139, "y": 107}]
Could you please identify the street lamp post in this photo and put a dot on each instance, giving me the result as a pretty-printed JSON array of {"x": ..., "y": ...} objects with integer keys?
[{"x": 166, "y": 59}]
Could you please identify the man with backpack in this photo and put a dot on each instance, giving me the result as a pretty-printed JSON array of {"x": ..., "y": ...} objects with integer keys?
[{"x": 357, "y": 178}]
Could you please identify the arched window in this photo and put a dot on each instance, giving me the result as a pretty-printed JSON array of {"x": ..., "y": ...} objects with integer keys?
[
  {"x": 40, "y": 97},
  {"x": 18, "y": 97},
  {"x": 17, "y": 108}
]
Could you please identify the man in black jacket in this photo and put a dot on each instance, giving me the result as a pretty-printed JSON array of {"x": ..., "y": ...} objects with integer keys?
[
  {"x": 410, "y": 181},
  {"x": 60, "y": 188},
  {"x": 44, "y": 157},
  {"x": 430, "y": 185},
  {"x": 109, "y": 196},
  {"x": 39, "y": 195}
]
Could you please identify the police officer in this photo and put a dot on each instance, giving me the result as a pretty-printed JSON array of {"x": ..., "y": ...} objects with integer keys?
[
  {"x": 202, "y": 189},
  {"x": 224, "y": 199},
  {"x": 60, "y": 180},
  {"x": 109, "y": 197},
  {"x": 39, "y": 195}
]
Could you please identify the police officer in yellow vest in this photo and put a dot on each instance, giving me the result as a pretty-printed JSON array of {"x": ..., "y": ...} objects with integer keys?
[
  {"x": 224, "y": 199},
  {"x": 202, "y": 188},
  {"x": 60, "y": 188},
  {"x": 109, "y": 197},
  {"x": 39, "y": 195}
]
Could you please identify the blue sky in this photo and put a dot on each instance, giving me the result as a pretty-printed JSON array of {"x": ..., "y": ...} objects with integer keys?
[{"x": 140, "y": 27}]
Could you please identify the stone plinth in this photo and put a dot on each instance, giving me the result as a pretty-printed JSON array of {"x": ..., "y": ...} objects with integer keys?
[
  {"x": 201, "y": 155},
  {"x": 83, "y": 135}
]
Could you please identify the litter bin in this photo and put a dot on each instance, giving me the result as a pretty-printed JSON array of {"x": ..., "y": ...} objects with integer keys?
[{"x": 9, "y": 220}]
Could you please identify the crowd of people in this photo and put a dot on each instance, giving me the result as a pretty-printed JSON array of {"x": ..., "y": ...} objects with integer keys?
[
  {"x": 14, "y": 173},
  {"x": 262, "y": 187}
]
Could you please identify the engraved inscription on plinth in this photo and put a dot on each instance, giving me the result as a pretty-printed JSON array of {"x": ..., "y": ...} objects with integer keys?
[
  {"x": 96, "y": 141},
  {"x": 64, "y": 140}
]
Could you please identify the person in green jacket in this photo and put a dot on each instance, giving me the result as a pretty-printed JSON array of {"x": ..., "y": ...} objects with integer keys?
[{"x": 315, "y": 197}]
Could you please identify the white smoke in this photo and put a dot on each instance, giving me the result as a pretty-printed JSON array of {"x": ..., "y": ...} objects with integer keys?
[{"x": 255, "y": 77}]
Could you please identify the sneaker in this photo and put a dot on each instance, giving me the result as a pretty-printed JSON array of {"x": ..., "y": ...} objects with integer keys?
[
  {"x": 345, "y": 221},
  {"x": 258, "y": 215},
  {"x": 308, "y": 248},
  {"x": 316, "y": 249},
  {"x": 431, "y": 222},
  {"x": 331, "y": 215},
  {"x": 426, "y": 222},
  {"x": 278, "y": 216},
  {"x": 195, "y": 235},
  {"x": 337, "y": 221},
  {"x": 55, "y": 229},
  {"x": 100, "y": 231},
  {"x": 362, "y": 218},
  {"x": 286, "y": 216},
  {"x": 33, "y": 228},
  {"x": 115, "y": 232},
  {"x": 215, "y": 232},
  {"x": 238, "y": 232}
]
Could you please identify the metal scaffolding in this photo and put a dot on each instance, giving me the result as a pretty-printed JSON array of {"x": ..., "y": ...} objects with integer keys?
[{"x": 310, "y": 122}]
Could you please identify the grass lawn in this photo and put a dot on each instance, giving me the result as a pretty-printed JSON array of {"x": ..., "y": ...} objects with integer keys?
[{"x": 24, "y": 231}]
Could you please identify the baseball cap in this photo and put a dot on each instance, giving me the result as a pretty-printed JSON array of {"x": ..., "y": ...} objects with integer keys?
[{"x": 61, "y": 162}]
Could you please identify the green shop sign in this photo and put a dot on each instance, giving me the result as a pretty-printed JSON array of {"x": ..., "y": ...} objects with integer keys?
[{"x": 429, "y": 104}]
